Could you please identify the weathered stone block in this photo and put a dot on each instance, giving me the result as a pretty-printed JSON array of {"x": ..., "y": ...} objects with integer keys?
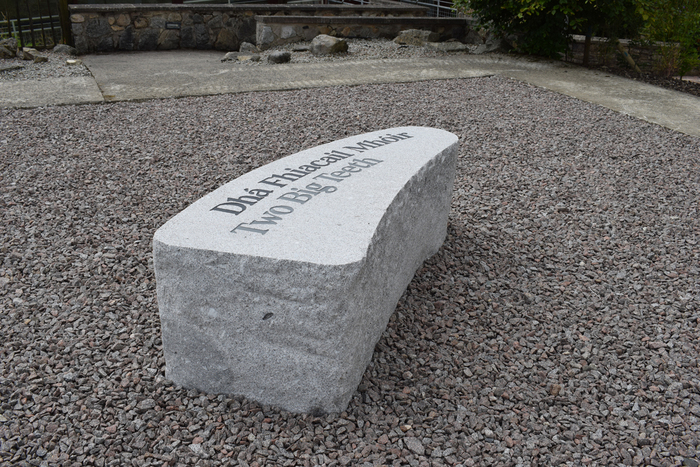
[
  {"x": 97, "y": 27},
  {"x": 27, "y": 53},
  {"x": 416, "y": 37},
  {"x": 278, "y": 285},
  {"x": 226, "y": 40},
  {"x": 447, "y": 46},
  {"x": 81, "y": 44},
  {"x": 264, "y": 36},
  {"x": 6, "y": 53},
  {"x": 169, "y": 39},
  {"x": 187, "y": 38},
  {"x": 326, "y": 45},
  {"x": 123, "y": 20},
  {"x": 148, "y": 40},
  {"x": 279, "y": 56},
  {"x": 157, "y": 22},
  {"x": 247, "y": 47},
  {"x": 10, "y": 44},
  {"x": 288, "y": 32},
  {"x": 140, "y": 22},
  {"x": 216, "y": 22},
  {"x": 201, "y": 36},
  {"x": 245, "y": 29},
  {"x": 104, "y": 44},
  {"x": 126, "y": 40}
]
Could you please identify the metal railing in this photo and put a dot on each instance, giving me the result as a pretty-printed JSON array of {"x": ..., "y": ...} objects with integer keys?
[
  {"x": 229, "y": 2},
  {"x": 31, "y": 29},
  {"x": 38, "y": 26},
  {"x": 436, "y": 8}
]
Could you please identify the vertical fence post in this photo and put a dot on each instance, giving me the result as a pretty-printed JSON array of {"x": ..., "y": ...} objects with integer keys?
[
  {"x": 54, "y": 39},
  {"x": 31, "y": 24},
  {"x": 20, "y": 36},
  {"x": 64, "y": 15}
]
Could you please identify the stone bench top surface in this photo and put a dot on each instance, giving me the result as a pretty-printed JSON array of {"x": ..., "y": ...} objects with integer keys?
[{"x": 321, "y": 205}]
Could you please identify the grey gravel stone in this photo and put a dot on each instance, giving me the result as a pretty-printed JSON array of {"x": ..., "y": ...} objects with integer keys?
[
  {"x": 65, "y": 49},
  {"x": 279, "y": 56},
  {"x": 6, "y": 53},
  {"x": 414, "y": 445},
  {"x": 248, "y": 48},
  {"x": 5, "y": 69},
  {"x": 10, "y": 44},
  {"x": 522, "y": 296},
  {"x": 447, "y": 46},
  {"x": 230, "y": 56},
  {"x": 55, "y": 67}
]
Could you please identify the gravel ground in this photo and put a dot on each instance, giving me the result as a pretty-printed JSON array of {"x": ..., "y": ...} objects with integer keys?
[
  {"x": 17, "y": 70},
  {"x": 358, "y": 49},
  {"x": 667, "y": 82},
  {"x": 558, "y": 324}
]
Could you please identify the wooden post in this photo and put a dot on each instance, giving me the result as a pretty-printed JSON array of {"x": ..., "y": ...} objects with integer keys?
[
  {"x": 64, "y": 15},
  {"x": 629, "y": 59},
  {"x": 587, "y": 46}
]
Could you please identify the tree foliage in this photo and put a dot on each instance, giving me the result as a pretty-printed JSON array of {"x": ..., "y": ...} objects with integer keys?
[
  {"x": 543, "y": 27},
  {"x": 673, "y": 22}
]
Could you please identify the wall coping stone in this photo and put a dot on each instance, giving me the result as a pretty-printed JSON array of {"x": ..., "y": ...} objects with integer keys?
[
  {"x": 380, "y": 20},
  {"x": 131, "y": 7},
  {"x": 579, "y": 38}
]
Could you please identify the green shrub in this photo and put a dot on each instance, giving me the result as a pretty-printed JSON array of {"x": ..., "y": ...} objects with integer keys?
[
  {"x": 675, "y": 23},
  {"x": 543, "y": 27}
]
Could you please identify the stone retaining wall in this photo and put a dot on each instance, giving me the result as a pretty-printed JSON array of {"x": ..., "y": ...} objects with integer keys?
[
  {"x": 277, "y": 30},
  {"x": 648, "y": 58},
  {"x": 106, "y": 28}
]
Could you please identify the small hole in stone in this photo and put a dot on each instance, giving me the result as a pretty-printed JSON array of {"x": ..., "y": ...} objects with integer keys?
[{"x": 268, "y": 316}]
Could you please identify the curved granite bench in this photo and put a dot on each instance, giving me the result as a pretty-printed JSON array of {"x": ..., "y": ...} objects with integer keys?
[{"x": 278, "y": 285}]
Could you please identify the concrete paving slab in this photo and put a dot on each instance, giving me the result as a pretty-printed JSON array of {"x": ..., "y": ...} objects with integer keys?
[
  {"x": 147, "y": 75},
  {"x": 51, "y": 91},
  {"x": 180, "y": 73},
  {"x": 671, "y": 109}
]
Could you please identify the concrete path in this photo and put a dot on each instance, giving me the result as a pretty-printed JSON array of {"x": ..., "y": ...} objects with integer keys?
[
  {"x": 53, "y": 91},
  {"x": 148, "y": 75}
]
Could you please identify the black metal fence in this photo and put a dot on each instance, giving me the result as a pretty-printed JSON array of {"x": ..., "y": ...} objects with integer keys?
[
  {"x": 436, "y": 8},
  {"x": 34, "y": 23}
]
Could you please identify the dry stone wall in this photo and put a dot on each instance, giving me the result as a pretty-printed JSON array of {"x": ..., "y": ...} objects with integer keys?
[
  {"x": 605, "y": 53},
  {"x": 126, "y": 27},
  {"x": 277, "y": 30}
]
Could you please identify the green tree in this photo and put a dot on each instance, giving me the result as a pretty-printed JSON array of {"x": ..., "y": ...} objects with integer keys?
[
  {"x": 675, "y": 23},
  {"x": 543, "y": 27}
]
